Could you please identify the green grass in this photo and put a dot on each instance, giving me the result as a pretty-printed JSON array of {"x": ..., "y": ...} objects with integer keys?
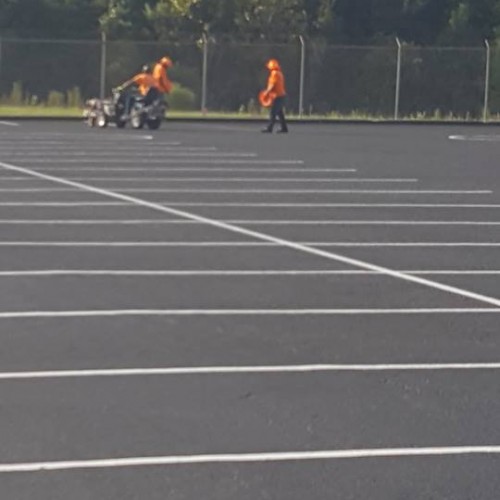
[
  {"x": 7, "y": 111},
  {"x": 39, "y": 111}
]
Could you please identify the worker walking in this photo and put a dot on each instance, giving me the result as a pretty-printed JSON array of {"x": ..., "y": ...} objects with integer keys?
[{"x": 276, "y": 90}]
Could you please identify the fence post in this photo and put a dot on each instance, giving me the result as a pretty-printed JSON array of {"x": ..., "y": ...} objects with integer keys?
[
  {"x": 0, "y": 61},
  {"x": 398, "y": 81},
  {"x": 487, "y": 82},
  {"x": 302, "y": 73},
  {"x": 102, "y": 83},
  {"x": 204, "y": 75}
]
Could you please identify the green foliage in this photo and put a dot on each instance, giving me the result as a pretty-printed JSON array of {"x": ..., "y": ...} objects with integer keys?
[
  {"x": 16, "y": 96},
  {"x": 74, "y": 98},
  {"x": 457, "y": 22},
  {"x": 55, "y": 99},
  {"x": 181, "y": 99}
]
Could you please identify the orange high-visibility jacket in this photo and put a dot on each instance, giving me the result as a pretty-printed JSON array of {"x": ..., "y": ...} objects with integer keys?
[
  {"x": 144, "y": 82},
  {"x": 160, "y": 75},
  {"x": 276, "y": 83}
]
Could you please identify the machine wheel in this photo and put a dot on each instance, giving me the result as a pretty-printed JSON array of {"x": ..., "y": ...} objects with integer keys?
[
  {"x": 154, "y": 123},
  {"x": 102, "y": 120},
  {"x": 120, "y": 123},
  {"x": 137, "y": 120}
]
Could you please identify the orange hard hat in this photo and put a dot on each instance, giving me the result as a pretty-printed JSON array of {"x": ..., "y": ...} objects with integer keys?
[
  {"x": 166, "y": 62},
  {"x": 272, "y": 64}
]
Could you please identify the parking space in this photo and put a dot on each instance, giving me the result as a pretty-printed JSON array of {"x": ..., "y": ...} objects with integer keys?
[{"x": 208, "y": 312}]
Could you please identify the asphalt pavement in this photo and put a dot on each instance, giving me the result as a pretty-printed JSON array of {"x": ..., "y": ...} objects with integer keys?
[{"x": 208, "y": 312}]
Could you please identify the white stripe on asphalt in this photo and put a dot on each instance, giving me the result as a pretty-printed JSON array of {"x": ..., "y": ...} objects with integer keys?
[
  {"x": 266, "y": 238},
  {"x": 236, "y": 272},
  {"x": 9, "y": 123},
  {"x": 237, "y": 204},
  {"x": 153, "y": 149},
  {"x": 250, "y": 244},
  {"x": 247, "y": 222},
  {"x": 103, "y": 313},
  {"x": 230, "y": 370},
  {"x": 249, "y": 458},
  {"x": 240, "y": 179},
  {"x": 252, "y": 191},
  {"x": 192, "y": 169},
  {"x": 176, "y": 161},
  {"x": 140, "y": 157}
]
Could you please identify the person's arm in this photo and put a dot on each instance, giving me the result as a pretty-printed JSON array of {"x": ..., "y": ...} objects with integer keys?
[
  {"x": 271, "y": 83},
  {"x": 127, "y": 84}
]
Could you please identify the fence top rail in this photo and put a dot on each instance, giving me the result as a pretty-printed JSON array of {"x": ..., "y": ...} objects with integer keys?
[{"x": 261, "y": 44}]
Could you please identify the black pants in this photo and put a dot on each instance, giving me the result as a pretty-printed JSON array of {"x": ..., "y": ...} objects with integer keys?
[
  {"x": 277, "y": 111},
  {"x": 151, "y": 96}
]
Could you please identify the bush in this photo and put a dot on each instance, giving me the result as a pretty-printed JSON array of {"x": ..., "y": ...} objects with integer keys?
[
  {"x": 74, "y": 98},
  {"x": 181, "y": 98},
  {"x": 55, "y": 99},
  {"x": 16, "y": 97}
]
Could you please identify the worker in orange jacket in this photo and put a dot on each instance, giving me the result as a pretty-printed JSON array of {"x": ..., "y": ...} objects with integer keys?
[
  {"x": 276, "y": 89},
  {"x": 146, "y": 85},
  {"x": 160, "y": 75}
]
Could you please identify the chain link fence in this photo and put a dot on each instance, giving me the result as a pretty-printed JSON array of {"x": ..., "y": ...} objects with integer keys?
[{"x": 399, "y": 81}]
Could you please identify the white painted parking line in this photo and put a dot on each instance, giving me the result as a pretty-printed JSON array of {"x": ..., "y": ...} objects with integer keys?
[
  {"x": 176, "y": 161},
  {"x": 476, "y": 138},
  {"x": 292, "y": 456},
  {"x": 66, "y": 204},
  {"x": 274, "y": 191},
  {"x": 192, "y": 169},
  {"x": 103, "y": 313},
  {"x": 297, "y": 191},
  {"x": 75, "y": 150},
  {"x": 9, "y": 123},
  {"x": 263, "y": 237},
  {"x": 249, "y": 244},
  {"x": 41, "y": 273},
  {"x": 328, "y": 205},
  {"x": 235, "y": 370},
  {"x": 243, "y": 179},
  {"x": 94, "y": 158},
  {"x": 247, "y": 222}
]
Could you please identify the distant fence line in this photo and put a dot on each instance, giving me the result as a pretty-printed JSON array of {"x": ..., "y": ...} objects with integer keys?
[{"x": 387, "y": 81}]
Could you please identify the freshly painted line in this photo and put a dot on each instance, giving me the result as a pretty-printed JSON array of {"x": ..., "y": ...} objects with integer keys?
[
  {"x": 295, "y": 191},
  {"x": 246, "y": 222},
  {"x": 328, "y": 205},
  {"x": 102, "y": 313},
  {"x": 77, "y": 151},
  {"x": 292, "y": 456},
  {"x": 9, "y": 124},
  {"x": 230, "y": 370},
  {"x": 274, "y": 191},
  {"x": 177, "y": 161},
  {"x": 224, "y": 272},
  {"x": 339, "y": 191},
  {"x": 231, "y": 244},
  {"x": 265, "y": 237},
  {"x": 480, "y": 138},
  {"x": 239, "y": 179},
  {"x": 192, "y": 169},
  {"x": 94, "y": 158},
  {"x": 36, "y": 190},
  {"x": 66, "y": 204},
  {"x": 11, "y": 145}
]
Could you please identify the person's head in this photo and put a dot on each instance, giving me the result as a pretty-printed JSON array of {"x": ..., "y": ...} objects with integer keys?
[
  {"x": 166, "y": 62},
  {"x": 272, "y": 65},
  {"x": 145, "y": 68}
]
